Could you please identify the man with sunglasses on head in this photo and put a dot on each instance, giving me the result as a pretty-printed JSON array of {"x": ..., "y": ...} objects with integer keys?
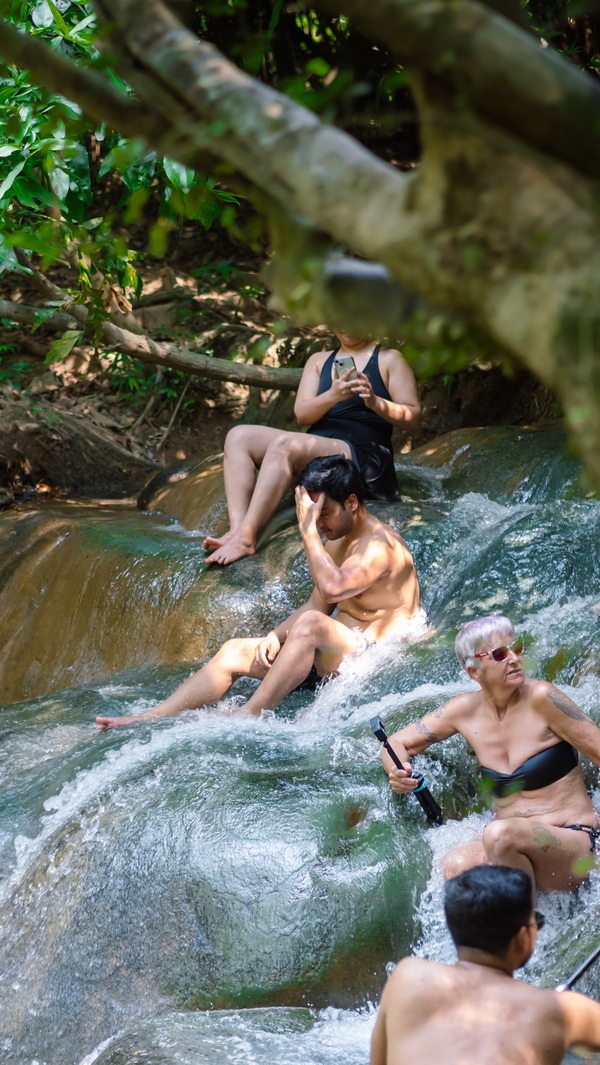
[
  {"x": 526, "y": 735},
  {"x": 473, "y": 1012}
]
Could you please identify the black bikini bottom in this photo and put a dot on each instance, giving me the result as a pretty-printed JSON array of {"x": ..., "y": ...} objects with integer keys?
[{"x": 594, "y": 834}]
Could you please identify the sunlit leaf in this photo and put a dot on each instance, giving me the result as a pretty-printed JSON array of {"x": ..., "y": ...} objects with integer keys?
[{"x": 63, "y": 347}]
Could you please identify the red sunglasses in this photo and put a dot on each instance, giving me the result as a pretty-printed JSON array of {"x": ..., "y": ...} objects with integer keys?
[{"x": 500, "y": 654}]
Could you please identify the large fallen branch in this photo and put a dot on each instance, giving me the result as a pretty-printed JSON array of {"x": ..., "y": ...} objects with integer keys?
[{"x": 156, "y": 353}]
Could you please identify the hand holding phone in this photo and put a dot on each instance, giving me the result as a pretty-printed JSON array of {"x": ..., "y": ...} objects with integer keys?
[{"x": 343, "y": 363}]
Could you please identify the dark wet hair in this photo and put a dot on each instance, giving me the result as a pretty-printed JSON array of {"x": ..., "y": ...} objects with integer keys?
[
  {"x": 486, "y": 906},
  {"x": 335, "y": 475}
]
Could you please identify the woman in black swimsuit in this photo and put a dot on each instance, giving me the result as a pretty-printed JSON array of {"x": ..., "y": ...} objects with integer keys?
[
  {"x": 353, "y": 417},
  {"x": 530, "y": 733}
]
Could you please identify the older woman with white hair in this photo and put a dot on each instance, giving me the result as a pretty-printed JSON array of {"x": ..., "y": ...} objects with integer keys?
[{"x": 526, "y": 735}]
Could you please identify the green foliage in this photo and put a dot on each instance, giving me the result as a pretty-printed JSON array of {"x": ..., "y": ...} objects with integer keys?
[
  {"x": 133, "y": 379},
  {"x": 57, "y": 202},
  {"x": 323, "y": 63},
  {"x": 572, "y": 27},
  {"x": 12, "y": 371},
  {"x": 63, "y": 347}
]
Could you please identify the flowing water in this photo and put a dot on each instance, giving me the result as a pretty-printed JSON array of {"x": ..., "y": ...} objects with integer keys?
[{"x": 220, "y": 890}]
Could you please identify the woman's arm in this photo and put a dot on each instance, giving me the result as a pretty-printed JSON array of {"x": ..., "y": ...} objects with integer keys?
[
  {"x": 403, "y": 409},
  {"x": 309, "y": 407},
  {"x": 416, "y": 738},
  {"x": 567, "y": 720}
]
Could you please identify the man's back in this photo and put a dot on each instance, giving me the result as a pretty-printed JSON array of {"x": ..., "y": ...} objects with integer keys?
[{"x": 469, "y": 1014}]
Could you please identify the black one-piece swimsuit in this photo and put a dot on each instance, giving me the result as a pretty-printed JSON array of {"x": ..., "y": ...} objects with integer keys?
[{"x": 368, "y": 436}]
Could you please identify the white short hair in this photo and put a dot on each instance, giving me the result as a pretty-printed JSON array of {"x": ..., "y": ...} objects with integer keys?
[{"x": 476, "y": 634}]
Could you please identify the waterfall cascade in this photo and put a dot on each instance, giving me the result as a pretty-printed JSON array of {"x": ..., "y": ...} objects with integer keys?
[{"x": 217, "y": 889}]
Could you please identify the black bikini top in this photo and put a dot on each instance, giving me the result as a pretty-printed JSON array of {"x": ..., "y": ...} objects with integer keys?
[{"x": 539, "y": 771}]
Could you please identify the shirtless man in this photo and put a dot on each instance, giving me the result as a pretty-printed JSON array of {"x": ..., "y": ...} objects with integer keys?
[
  {"x": 525, "y": 734},
  {"x": 365, "y": 571},
  {"x": 473, "y": 1012}
]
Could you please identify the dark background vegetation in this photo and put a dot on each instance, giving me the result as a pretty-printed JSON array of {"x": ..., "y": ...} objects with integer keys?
[{"x": 117, "y": 227}]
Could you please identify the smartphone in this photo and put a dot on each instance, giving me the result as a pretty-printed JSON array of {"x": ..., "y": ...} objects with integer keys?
[{"x": 343, "y": 363}]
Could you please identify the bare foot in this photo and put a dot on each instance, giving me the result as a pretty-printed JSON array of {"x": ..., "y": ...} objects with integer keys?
[
  {"x": 211, "y": 542},
  {"x": 597, "y": 608},
  {"x": 235, "y": 548},
  {"x": 102, "y": 723}
]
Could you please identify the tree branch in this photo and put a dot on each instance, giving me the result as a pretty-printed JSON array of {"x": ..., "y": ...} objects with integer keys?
[
  {"x": 90, "y": 90},
  {"x": 314, "y": 282},
  {"x": 20, "y": 312},
  {"x": 311, "y": 168},
  {"x": 497, "y": 68},
  {"x": 151, "y": 351}
]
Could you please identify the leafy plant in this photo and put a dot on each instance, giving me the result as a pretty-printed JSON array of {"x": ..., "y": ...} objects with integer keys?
[{"x": 49, "y": 190}]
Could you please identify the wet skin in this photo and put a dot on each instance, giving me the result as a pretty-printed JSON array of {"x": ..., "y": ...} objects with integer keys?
[
  {"x": 510, "y": 719},
  {"x": 365, "y": 571},
  {"x": 478, "y": 1014},
  {"x": 279, "y": 456}
]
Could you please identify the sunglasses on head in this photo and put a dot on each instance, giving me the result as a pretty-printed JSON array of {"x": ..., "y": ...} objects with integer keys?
[{"x": 500, "y": 654}]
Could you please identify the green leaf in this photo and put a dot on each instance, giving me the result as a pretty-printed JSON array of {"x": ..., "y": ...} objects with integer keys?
[
  {"x": 179, "y": 175},
  {"x": 35, "y": 242},
  {"x": 61, "y": 348},
  {"x": 10, "y": 177},
  {"x": 60, "y": 22},
  {"x": 60, "y": 181},
  {"x": 157, "y": 239},
  {"x": 41, "y": 315},
  {"x": 83, "y": 25},
  {"x": 318, "y": 66}
]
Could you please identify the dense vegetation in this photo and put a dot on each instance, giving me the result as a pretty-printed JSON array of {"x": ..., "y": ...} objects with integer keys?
[{"x": 100, "y": 179}]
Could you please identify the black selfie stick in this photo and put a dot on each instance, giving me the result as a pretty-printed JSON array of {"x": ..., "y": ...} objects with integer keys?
[
  {"x": 581, "y": 969},
  {"x": 421, "y": 792}
]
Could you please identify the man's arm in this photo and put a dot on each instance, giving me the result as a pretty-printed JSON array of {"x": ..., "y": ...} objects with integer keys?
[
  {"x": 582, "y": 1019},
  {"x": 271, "y": 644},
  {"x": 567, "y": 719},
  {"x": 334, "y": 583}
]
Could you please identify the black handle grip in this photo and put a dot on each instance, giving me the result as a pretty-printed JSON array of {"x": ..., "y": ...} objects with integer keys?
[{"x": 433, "y": 812}]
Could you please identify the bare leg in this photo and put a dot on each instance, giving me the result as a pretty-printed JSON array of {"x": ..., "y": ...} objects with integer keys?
[
  {"x": 465, "y": 857},
  {"x": 245, "y": 448},
  {"x": 557, "y": 859},
  {"x": 234, "y": 659},
  {"x": 284, "y": 459},
  {"x": 314, "y": 638}
]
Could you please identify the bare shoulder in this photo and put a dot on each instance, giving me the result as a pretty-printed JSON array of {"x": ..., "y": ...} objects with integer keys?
[
  {"x": 545, "y": 696},
  {"x": 379, "y": 538},
  {"x": 392, "y": 357},
  {"x": 413, "y": 972},
  {"x": 461, "y": 707},
  {"x": 316, "y": 360},
  {"x": 416, "y": 987},
  {"x": 392, "y": 361}
]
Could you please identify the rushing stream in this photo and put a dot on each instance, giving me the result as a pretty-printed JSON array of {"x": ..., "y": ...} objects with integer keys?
[{"x": 222, "y": 891}]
